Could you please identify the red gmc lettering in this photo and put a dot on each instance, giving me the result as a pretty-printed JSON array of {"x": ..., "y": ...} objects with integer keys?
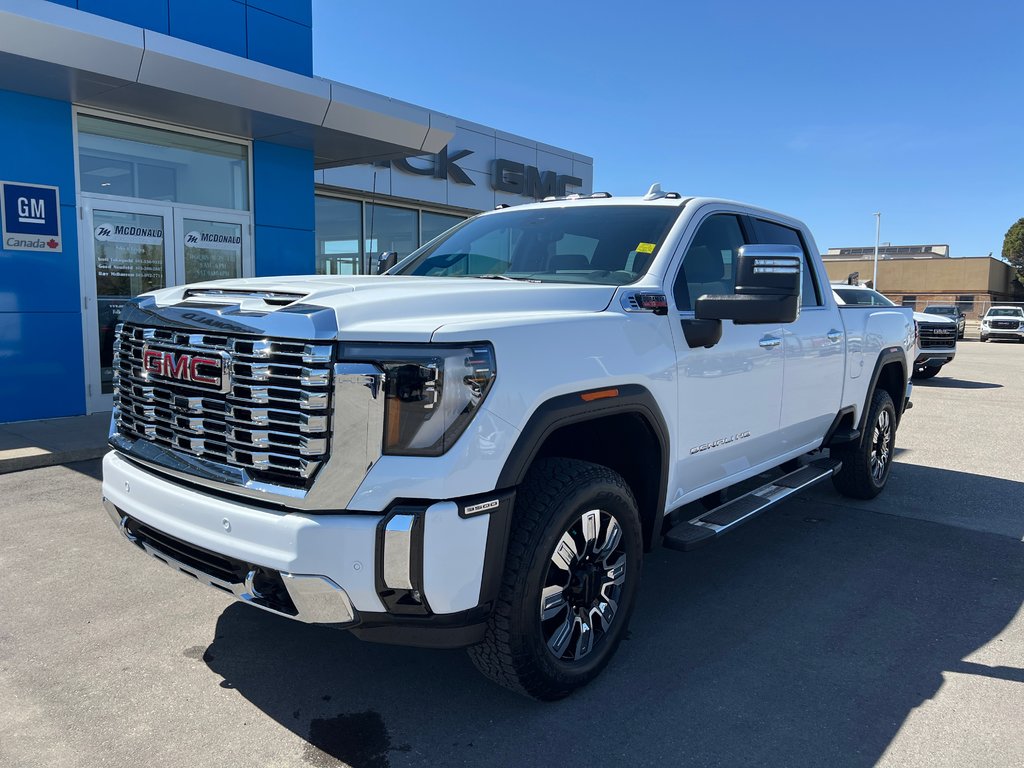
[{"x": 181, "y": 367}]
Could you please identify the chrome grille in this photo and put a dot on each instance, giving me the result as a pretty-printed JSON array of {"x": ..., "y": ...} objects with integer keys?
[
  {"x": 933, "y": 335},
  {"x": 273, "y": 420},
  {"x": 1005, "y": 324}
]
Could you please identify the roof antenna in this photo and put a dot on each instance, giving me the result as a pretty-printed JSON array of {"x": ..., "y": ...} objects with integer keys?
[{"x": 654, "y": 192}]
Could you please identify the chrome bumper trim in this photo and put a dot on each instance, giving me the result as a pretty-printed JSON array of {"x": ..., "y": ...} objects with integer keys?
[{"x": 317, "y": 599}]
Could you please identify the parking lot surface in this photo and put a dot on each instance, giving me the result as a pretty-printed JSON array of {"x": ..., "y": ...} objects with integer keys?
[{"x": 825, "y": 633}]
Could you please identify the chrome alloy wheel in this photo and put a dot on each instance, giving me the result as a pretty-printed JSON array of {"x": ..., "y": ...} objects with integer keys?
[
  {"x": 583, "y": 585},
  {"x": 881, "y": 443}
]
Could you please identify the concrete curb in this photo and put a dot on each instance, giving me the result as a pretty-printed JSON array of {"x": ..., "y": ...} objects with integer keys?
[{"x": 33, "y": 444}]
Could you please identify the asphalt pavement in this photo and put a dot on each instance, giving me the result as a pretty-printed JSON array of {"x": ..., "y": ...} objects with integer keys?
[{"x": 825, "y": 633}]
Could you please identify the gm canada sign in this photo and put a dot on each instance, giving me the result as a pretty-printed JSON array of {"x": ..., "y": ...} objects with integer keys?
[{"x": 30, "y": 217}]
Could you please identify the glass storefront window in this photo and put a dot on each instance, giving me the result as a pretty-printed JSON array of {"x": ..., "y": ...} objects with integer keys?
[
  {"x": 337, "y": 236},
  {"x": 433, "y": 224},
  {"x": 213, "y": 250},
  {"x": 129, "y": 160},
  {"x": 391, "y": 229}
]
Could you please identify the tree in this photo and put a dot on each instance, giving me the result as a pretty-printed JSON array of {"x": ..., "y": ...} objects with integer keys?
[{"x": 1013, "y": 247}]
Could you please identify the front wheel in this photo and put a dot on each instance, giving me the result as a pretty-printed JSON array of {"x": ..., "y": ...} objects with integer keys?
[
  {"x": 866, "y": 462},
  {"x": 571, "y": 576},
  {"x": 984, "y": 337},
  {"x": 925, "y": 371}
]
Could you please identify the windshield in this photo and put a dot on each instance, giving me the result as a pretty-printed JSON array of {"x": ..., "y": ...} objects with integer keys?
[
  {"x": 603, "y": 244},
  {"x": 1005, "y": 312},
  {"x": 862, "y": 297},
  {"x": 951, "y": 311}
]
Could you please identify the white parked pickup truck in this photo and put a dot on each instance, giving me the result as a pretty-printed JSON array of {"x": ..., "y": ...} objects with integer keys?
[{"x": 477, "y": 448}]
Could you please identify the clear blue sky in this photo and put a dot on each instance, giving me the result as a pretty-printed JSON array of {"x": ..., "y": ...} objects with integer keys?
[{"x": 825, "y": 111}]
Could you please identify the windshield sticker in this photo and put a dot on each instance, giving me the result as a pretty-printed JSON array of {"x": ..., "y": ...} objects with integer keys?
[{"x": 645, "y": 248}]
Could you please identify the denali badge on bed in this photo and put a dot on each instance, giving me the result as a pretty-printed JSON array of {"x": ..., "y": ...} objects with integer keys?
[{"x": 203, "y": 369}]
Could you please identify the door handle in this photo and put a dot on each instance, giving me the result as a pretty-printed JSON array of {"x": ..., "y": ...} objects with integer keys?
[
  {"x": 769, "y": 342},
  {"x": 834, "y": 336}
]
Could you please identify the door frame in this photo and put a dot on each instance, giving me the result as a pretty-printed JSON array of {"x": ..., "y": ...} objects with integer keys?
[{"x": 95, "y": 400}]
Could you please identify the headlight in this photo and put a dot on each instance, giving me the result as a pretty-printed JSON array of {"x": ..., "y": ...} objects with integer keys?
[{"x": 431, "y": 391}]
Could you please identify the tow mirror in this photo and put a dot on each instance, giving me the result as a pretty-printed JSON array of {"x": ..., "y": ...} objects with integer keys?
[
  {"x": 386, "y": 260},
  {"x": 767, "y": 288}
]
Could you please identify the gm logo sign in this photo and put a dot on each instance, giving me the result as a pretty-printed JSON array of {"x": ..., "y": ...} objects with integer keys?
[{"x": 30, "y": 217}]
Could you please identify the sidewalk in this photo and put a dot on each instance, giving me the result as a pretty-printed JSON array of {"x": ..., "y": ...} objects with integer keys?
[{"x": 31, "y": 444}]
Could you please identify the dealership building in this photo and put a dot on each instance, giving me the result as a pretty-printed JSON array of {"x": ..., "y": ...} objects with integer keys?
[
  {"x": 919, "y": 275},
  {"x": 157, "y": 142}
]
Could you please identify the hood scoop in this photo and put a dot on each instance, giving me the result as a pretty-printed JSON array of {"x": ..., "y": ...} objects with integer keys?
[{"x": 252, "y": 300}]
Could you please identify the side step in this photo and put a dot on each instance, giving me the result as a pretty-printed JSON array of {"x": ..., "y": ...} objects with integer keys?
[{"x": 701, "y": 529}]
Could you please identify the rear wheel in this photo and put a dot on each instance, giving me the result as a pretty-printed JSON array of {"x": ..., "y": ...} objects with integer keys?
[
  {"x": 571, "y": 576},
  {"x": 866, "y": 463}
]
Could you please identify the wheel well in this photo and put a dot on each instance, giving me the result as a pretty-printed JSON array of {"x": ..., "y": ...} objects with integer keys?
[
  {"x": 891, "y": 378},
  {"x": 624, "y": 442}
]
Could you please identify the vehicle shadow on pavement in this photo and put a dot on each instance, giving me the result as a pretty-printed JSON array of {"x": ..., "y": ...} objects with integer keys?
[{"x": 806, "y": 638}]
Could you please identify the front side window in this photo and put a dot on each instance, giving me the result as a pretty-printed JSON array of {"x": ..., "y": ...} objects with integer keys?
[
  {"x": 708, "y": 263},
  {"x": 605, "y": 245}
]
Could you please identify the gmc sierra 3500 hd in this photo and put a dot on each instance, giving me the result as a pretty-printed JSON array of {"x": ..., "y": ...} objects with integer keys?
[{"x": 477, "y": 448}]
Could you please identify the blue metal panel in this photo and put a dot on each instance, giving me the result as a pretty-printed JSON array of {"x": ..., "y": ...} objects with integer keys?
[
  {"x": 293, "y": 10},
  {"x": 151, "y": 14},
  {"x": 68, "y": 3},
  {"x": 33, "y": 281},
  {"x": 42, "y": 370},
  {"x": 279, "y": 42},
  {"x": 216, "y": 24},
  {"x": 282, "y": 186},
  {"x": 282, "y": 251},
  {"x": 37, "y": 143}
]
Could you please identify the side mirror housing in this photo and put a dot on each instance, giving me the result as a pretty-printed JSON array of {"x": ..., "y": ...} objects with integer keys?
[
  {"x": 767, "y": 288},
  {"x": 385, "y": 261}
]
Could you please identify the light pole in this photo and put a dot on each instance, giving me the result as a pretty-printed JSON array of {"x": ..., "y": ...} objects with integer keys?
[{"x": 878, "y": 230}]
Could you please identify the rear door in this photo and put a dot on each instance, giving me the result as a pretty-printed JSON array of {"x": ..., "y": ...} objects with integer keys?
[
  {"x": 813, "y": 346},
  {"x": 729, "y": 395}
]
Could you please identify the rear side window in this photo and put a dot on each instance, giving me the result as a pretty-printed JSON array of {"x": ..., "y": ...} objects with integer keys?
[
  {"x": 709, "y": 261},
  {"x": 770, "y": 233}
]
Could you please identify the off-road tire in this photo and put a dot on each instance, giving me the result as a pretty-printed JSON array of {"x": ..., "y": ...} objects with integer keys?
[
  {"x": 859, "y": 477},
  {"x": 515, "y": 652}
]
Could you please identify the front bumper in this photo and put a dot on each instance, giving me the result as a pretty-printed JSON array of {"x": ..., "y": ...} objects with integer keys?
[
  {"x": 934, "y": 357},
  {"x": 1003, "y": 333},
  {"x": 413, "y": 566}
]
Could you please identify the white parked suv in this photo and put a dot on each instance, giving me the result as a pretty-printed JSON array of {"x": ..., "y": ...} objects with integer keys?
[
  {"x": 1003, "y": 323},
  {"x": 477, "y": 448},
  {"x": 936, "y": 334}
]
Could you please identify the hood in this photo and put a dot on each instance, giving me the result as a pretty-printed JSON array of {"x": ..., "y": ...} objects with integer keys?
[
  {"x": 922, "y": 317},
  {"x": 396, "y": 308}
]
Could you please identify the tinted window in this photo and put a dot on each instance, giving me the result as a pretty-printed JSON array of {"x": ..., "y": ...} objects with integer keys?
[
  {"x": 708, "y": 264},
  {"x": 607, "y": 244},
  {"x": 862, "y": 297},
  {"x": 1004, "y": 312},
  {"x": 770, "y": 233}
]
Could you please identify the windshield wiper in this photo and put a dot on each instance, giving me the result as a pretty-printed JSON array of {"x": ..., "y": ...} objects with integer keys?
[{"x": 505, "y": 277}]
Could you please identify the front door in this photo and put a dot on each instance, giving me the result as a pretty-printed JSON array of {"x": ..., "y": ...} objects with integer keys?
[
  {"x": 133, "y": 247},
  {"x": 730, "y": 395}
]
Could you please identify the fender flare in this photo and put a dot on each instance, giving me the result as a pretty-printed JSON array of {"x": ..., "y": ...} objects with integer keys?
[
  {"x": 885, "y": 357},
  {"x": 575, "y": 408}
]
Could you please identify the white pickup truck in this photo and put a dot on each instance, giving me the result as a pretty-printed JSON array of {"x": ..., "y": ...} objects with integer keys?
[{"x": 477, "y": 448}]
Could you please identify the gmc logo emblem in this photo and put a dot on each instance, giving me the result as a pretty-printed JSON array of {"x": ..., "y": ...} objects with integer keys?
[{"x": 204, "y": 370}]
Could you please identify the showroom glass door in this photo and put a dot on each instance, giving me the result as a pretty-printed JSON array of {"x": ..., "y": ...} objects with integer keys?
[
  {"x": 133, "y": 247},
  {"x": 128, "y": 249}
]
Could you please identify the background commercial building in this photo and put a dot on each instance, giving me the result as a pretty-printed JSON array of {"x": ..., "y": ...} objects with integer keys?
[
  {"x": 919, "y": 275},
  {"x": 158, "y": 142}
]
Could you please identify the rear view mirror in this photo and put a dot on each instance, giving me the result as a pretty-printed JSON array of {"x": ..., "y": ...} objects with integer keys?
[
  {"x": 767, "y": 287},
  {"x": 385, "y": 261}
]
